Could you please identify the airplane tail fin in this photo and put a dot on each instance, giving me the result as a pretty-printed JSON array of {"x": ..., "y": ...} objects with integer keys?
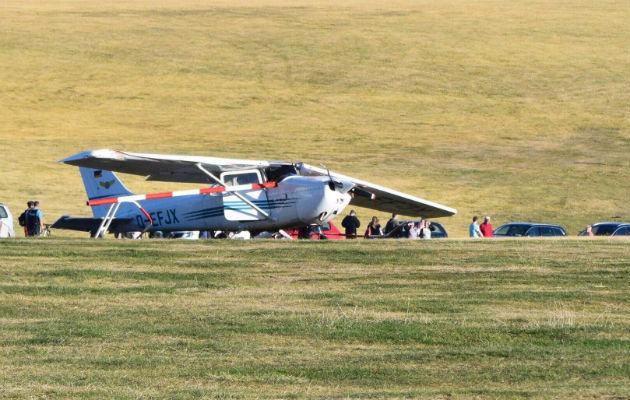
[{"x": 101, "y": 184}]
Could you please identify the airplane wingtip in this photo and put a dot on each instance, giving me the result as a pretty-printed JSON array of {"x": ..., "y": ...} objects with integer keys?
[{"x": 76, "y": 159}]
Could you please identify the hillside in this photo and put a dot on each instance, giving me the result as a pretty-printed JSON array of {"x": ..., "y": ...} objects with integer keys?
[{"x": 519, "y": 110}]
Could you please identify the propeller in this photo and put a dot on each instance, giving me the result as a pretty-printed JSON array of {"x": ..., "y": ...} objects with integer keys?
[{"x": 337, "y": 185}]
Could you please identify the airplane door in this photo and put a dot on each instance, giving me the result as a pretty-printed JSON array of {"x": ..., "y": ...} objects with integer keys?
[{"x": 235, "y": 209}]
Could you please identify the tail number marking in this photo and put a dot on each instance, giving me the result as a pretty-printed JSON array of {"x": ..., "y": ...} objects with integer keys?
[{"x": 160, "y": 218}]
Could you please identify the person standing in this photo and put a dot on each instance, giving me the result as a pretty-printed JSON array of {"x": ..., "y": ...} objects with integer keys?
[
  {"x": 351, "y": 223},
  {"x": 473, "y": 229},
  {"x": 373, "y": 228},
  {"x": 486, "y": 228},
  {"x": 413, "y": 231},
  {"x": 22, "y": 217},
  {"x": 589, "y": 231},
  {"x": 391, "y": 224},
  {"x": 426, "y": 230},
  {"x": 34, "y": 220}
]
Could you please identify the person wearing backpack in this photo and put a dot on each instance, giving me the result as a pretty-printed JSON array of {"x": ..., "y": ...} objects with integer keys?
[
  {"x": 22, "y": 217},
  {"x": 34, "y": 220}
]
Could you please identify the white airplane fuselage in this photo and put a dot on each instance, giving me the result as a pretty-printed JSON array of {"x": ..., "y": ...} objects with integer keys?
[{"x": 295, "y": 201}]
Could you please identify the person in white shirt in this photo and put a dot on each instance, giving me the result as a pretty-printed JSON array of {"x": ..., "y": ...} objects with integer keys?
[{"x": 426, "y": 230}]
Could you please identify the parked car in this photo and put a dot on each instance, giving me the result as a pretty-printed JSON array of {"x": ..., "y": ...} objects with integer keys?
[
  {"x": 603, "y": 228},
  {"x": 6, "y": 222},
  {"x": 400, "y": 232},
  {"x": 516, "y": 229},
  {"x": 328, "y": 230},
  {"x": 622, "y": 230}
]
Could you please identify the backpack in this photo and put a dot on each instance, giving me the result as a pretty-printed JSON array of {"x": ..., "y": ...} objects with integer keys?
[
  {"x": 32, "y": 221},
  {"x": 22, "y": 219}
]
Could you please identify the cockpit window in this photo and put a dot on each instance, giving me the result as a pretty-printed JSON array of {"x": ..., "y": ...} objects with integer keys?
[
  {"x": 276, "y": 173},
  {"x": 241, "y": 178}
]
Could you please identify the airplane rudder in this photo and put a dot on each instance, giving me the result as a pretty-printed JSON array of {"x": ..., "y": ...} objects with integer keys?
[{"x": 102, "y": 183}]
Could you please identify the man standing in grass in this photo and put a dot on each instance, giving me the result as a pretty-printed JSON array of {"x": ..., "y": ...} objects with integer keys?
[
  {"x": 391, "y": 224},
  {"x": 473, "y": 229},
  {"x": 486, "y": 227},
  {"x": 34, "y": 220},
  {"x": 22, "y": 217},
  {"x": 351, "y": 223}
]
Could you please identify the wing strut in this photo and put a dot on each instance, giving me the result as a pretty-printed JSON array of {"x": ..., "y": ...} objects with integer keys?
[{"x": 237, "y": 194}]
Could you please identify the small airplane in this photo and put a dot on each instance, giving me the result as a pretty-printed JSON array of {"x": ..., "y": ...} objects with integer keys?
[{"x": 243, "y": 195}]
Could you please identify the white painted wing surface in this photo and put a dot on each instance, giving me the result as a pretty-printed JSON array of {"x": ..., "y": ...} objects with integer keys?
[
  {"x": 385, "y": 199},
  {"x": 160, "y": 167}
]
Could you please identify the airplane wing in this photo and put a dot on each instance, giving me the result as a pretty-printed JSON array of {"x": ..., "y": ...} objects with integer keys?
[
  {"x": 161, "y": 167},
  {"x": 170, "y": 168},
  {"x": 376, "y": 197}
]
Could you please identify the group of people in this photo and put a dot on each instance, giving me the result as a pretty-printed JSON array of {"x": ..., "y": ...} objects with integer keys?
[
  {"x": 393, "y": 228},
  {"x": 32, "y": 219},
  {"x": 480, "y": 231}
]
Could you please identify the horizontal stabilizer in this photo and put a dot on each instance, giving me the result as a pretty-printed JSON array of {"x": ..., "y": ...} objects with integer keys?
[{"x": 86, "y": 224}]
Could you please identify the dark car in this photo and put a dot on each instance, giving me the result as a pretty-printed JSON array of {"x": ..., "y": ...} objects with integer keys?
[
  {"x": 622, "y": 230},
  {"x": 603, "y": 228},
  {"x": 516, "y": 229},
  {"x": 401, "y": 230}
]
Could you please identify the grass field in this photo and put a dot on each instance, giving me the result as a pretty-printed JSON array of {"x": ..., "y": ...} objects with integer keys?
[
  {"x": 219, "y": 319},
  {"x": 517, "y": 109}
]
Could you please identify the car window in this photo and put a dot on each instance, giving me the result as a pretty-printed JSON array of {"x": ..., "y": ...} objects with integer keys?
[
  {"x": 3, "y": 213},
  {"x": 558, "y": 232},
  {"x": 546, "y": 231},
  {"x": 436, "y": 228},
  {"x": 502, "y": 230},
  {"x": 534, "y": 231},
  {"x": 624, "y": 230},
  {"x": 604, "y": 229},
  {"x": 325, "y": 226},
  {"x": 517, "y": 230}
]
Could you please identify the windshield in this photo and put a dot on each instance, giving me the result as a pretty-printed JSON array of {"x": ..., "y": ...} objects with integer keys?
[
  {"x": 3, "y": 213},
  {"x": 276, "y": 173}
]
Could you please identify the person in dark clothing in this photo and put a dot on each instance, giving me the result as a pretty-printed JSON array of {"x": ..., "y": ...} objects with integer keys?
[
  {"x": 391, "y": 224},
  {"x": 373, "y": 229},
  {"x": 34, "y": 220},
  {"x": 351, "y": 223},
  {"x": 22, "y": 217}
]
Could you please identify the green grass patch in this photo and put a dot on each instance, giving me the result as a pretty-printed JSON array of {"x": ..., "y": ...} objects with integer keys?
[{"x": 270, "y": 319}]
